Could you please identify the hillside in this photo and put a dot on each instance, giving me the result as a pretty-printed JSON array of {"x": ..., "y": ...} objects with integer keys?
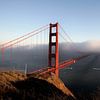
[{"x": 16, "y": 86}]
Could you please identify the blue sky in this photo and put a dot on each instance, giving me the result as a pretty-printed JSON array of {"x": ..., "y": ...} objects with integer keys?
[{"x": 80, "y": 18}]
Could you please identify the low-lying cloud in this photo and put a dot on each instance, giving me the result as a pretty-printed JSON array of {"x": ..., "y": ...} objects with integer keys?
[{"x": 38, "y": 55}]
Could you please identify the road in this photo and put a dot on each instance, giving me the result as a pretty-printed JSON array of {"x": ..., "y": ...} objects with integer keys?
[{"x": 83, "y": 72}]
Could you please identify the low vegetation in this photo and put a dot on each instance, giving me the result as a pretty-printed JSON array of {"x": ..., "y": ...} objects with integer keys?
[{"x": 16, "y": 86}]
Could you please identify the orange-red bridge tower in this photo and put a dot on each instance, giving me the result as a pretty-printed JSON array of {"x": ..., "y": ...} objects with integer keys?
[{"x": 53, "y": 59}]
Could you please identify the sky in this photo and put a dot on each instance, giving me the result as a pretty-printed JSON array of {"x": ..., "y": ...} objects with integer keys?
[{"x": 79, "y": 18}]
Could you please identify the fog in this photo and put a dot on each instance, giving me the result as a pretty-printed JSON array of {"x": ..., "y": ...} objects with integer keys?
[
  {"x": 37, "y": 56},
  {"x": 89, "y": 46}
]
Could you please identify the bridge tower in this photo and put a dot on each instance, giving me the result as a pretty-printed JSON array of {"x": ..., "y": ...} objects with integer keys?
[{"x": 53, "y": 56}]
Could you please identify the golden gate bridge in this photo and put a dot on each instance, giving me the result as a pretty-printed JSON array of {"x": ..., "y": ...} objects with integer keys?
[{"x": 50, "y": 35}]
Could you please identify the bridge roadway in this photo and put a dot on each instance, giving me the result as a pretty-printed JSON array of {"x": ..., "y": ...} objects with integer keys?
[
  {"x": 62, "y": 65},
  {"x": 86, "y": 71}
]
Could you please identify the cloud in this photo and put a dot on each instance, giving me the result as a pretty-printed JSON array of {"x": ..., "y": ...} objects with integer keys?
[
  {"x": 90, "y": 46},
  {"x": 39, "y": 53}
]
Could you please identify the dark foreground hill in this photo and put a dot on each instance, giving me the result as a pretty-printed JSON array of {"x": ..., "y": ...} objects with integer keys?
[{"x": 16, "y": 86}]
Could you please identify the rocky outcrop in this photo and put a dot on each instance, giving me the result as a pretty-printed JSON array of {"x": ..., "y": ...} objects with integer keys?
[{"x": 16, "y": 86}]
